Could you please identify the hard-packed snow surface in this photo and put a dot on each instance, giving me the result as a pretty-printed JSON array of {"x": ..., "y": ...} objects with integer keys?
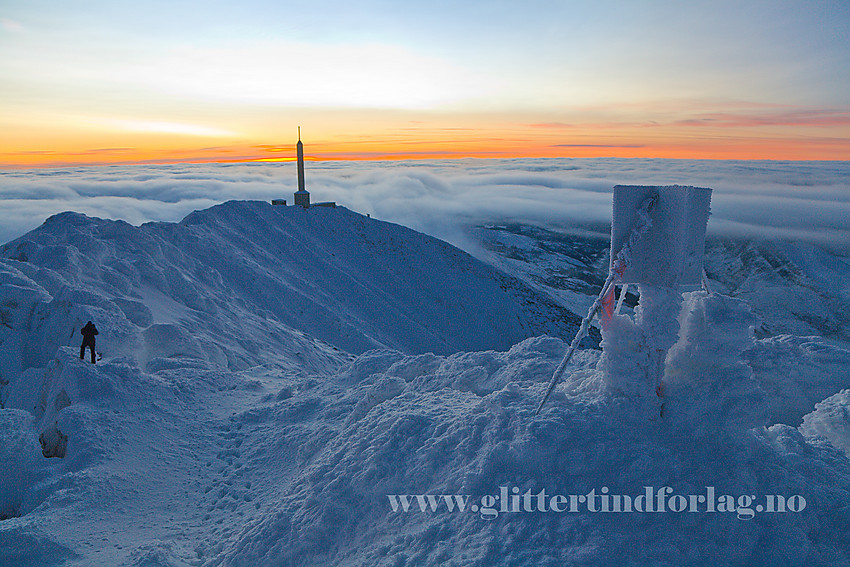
[{"x": 241, "y": 415}]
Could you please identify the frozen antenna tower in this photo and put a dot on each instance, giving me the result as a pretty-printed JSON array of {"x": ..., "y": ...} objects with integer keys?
[
  {"x": 657, "y": 242},
  {"x": 302, "y": 197}
]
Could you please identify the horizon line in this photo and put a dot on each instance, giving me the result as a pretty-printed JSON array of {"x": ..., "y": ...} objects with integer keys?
[{"x": 379, "y": 158}]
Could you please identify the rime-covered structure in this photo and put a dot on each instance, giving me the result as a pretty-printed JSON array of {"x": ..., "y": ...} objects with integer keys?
[
  {"x": 670, "y": 253},
  {"x": 664, "y": 252},
  {"x": 657, "y": 242}
]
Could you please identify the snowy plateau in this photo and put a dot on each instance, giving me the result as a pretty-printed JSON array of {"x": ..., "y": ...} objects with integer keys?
[{"x": 273, "y": 377}]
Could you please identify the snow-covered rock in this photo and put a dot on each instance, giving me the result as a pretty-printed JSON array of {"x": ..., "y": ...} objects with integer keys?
[{"x": 830, "y": 421}]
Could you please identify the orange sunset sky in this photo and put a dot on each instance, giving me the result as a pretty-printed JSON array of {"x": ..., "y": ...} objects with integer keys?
[{"x": 99, "y": 82}]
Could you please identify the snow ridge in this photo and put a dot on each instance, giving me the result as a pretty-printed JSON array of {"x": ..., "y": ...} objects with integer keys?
[{"x": 245, "y": 282}]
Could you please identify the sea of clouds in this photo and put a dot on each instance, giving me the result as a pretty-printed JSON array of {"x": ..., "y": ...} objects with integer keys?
[{"x": 808, "y": 201}]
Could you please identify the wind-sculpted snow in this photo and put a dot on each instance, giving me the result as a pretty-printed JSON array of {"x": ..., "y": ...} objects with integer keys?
[
  {"x": 426, "y": 432},
  {"x": 246, "y": 282},
  {"x": 798, "y": 372},
  {"x": 228, "y": 426}
]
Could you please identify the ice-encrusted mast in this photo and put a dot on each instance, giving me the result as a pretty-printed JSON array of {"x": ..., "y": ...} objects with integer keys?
[
  {"x": 302, "y": 196},
  {"x": 657, "y": 242}
]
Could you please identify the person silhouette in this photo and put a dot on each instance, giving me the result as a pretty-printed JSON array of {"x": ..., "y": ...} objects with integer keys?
[{"x": 88, "y": 332}]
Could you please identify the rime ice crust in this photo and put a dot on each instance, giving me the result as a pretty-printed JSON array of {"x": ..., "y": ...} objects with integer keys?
[
  {"x": 671, "y": 253},
  {"x": 709, "y": 384},
  {"x": 633, "y": 352},
  {"x": 705, "y": 379}
]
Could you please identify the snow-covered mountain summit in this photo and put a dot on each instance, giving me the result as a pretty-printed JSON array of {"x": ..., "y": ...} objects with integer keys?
[{"x": 245, "y": 282}]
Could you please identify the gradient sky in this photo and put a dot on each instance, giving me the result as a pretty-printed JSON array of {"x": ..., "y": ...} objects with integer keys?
[{"x": 101, "y": 81}]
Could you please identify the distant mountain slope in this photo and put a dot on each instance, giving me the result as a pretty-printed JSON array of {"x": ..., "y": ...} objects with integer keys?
[
  {"x": 245, "y": 279},
  {"x": 793, "y": 287}
]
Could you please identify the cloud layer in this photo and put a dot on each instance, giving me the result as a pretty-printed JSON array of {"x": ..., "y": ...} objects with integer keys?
[{"x": 807, "y": 201}]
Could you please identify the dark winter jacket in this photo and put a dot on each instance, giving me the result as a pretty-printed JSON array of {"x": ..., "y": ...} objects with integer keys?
[{"x": 88, "y": 332}]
